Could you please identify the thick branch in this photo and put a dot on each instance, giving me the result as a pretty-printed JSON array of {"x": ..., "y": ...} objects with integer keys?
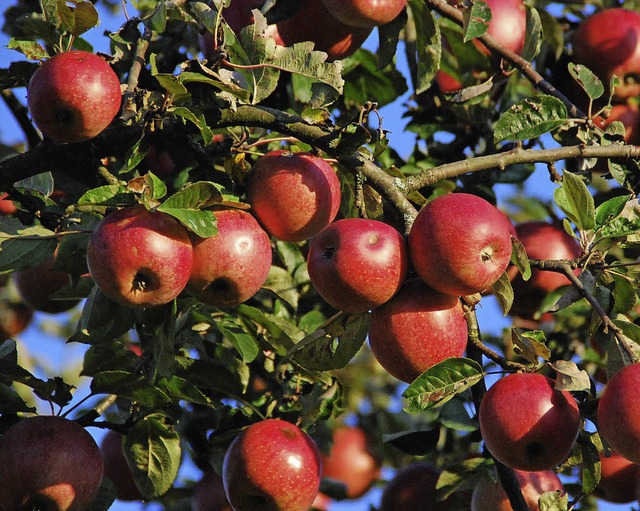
[
  {"x": 516, "y": 155},
  {"x": 129, "y": 108}
]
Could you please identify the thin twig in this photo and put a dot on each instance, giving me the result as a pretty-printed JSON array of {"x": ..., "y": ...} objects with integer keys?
[
  {"x": 129, "y": 109},
  {"x": 19, "y": 111}
]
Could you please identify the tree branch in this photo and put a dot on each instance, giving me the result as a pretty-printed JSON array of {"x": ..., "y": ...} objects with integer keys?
[{"x": 19, "y": 111}]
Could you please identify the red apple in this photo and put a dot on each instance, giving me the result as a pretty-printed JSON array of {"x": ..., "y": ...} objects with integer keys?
[
  {"x": 209, "y": 495},
  {"x": 416, "y": 329},
  {"x": 7, "y": 206},
  {"x": 608, "y": 43},
  {"x": 543, "y": 241},
  {"x": 313, "y": 22},
  {"x": 619, "y": 412},
  {"x": 116, "y": 467},
  {"x": 352, "y": 461},
  {"x": 365, "y": 13},
  {"x": 73, "y": 96},
  {"x": 490, "y": 496},
  {"x": 160, "y": 162},
  {"x": 14, "y": 319},
  {"x": 48, "y": 463},
  {"x": 294, "y": 195},
  {"x": 357, "y": 264},
  {"x": 231, "y": 266},
  {"x": 272, "y": 465},
  {"x": 238, "y": 15},
  {"x": 629, "y": 115},
  {"x": 527, "y": 424},
  {"x": 140, "y": 258},
  {"x": 413, "y": 488},
  {"x": 618, "y": 479},
  {"x": 446, "y": 82},
  {"x": 460, "y": 244},
  {"x": 37, "y": 285}
]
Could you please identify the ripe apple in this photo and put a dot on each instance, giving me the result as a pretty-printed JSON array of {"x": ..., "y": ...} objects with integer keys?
[
  {"x": 618, "y": 479},
  {"x": 413, "y": 488},
  {"x": 416, "y": 329},
  {"x": 608, "y": 43},
  {"x": 365, "y": 13},
  {"x": 140, "y": 258},
  {"x": 209, "y": 495},
  {"x": 629, "y": 115},
  {"x": 73, "y": 96},
  {"x": 7, "y": 206},
  {"x": 312, "y": 21},
  {"x": 543, "y": 241},
  {"x": 116, "y": 467},
  {"x": 37, "y": 284},
  {"x": 490, "y": 496},
  {"x": 527, "y": 424},
  {"x": 352, "y": 460},
  {"x": 357, "y": 264},
  {"x": 48, "y": 463},
  {"x": 15, "y": 317},
  {"x": 460, "y": 244},
  {"x": 231, "y": 266},
  {"x": 272, "y": 465},
  {"x": 619, "y": 412},
  {"x": 160, "y": 162},
  {"x": 294, "y": 195}
]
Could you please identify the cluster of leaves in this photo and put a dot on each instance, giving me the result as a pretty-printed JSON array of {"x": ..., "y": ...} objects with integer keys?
[{"x": 204, "y": 373}]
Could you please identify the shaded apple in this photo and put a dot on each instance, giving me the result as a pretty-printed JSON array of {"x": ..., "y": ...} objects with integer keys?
[
  {"x": 460, "y": 244},
  {"x": 15, "y": 317},
  {"x": 313, "y": 22},
  {"x": 208, "y": 494},
  {"x": 618, "y": 479},
  {"x": 48, "y": 463},
  {"x": 231, "y": 266},
  {"x": 490, "y": 496},
  {"x": 413, "y": 488},
  {"x": 629, "y": 115},
  {"x": 73, "y": 96},
  {"x": 416, "y": 329},
  {"x": 352, "y": 460},
  {"x": 272, "y": 466},
  {"x": 608, "y": 43},
  {"x": 116, "y": 467},
  {"x": 365, "y": 13},
  {"x": 37, "y": 286},
  {"x": 140, "y": 258},
  {"x": 293, "y": 195},
  {"x": 7, "y": 206},
  {"x": 357, "y": 264},
  {"x": 527, "y": 424},
  {"x": 619, "y": 412}
]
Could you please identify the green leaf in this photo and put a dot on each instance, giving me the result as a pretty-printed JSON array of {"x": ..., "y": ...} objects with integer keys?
[
  {"x": 625, "y": 294},
  {"x": 570, "y": 377},
  {"x": 333, "y": 346},
  {"x": 11, "y": 402},
  {"x": 152, "y": 449},
  {"x": 319, "y": 404},
  {"x": 626, "y": 224},
  {"x": 159, "y": 17},
  {"x": 102, "y": 320},
  {"x": 428, "y": 44},
  {"x": 530, "y": 345},
  {"x": 30, "y": 49},
  {"x": 388, "y": 36},
  {"x": 464, "y": 475},
  {"x": 534, "y": 33},
  {"x": 196, "y": 117},
  {"x": 575, "y": 200},
  {"x": 530, "y": 118},
  {"x": 107, "y": 195},
  {"x": 280, "y": 282},
  {"x": 108, "y": 357},
  {"x": 520, "y": 259},
  {"x": 180, "y": 389},
  {"x": 591, "y": 467},
  {"x": 78, "y": 19},
  {"x": 131, "y": 386},
  {"x": 188, "y": 206},
  {"x": 440, "y": 383},
  {"x": 553, "y": 501},
  {"x": 24, "y": 247},
  {"x": 476, "y": 20},
  {"x": 503, "y": 292},
  {"x": 244, "y": 342},
  {"x": 610, "y": 209},
  {"x": 592, "y": 85}
]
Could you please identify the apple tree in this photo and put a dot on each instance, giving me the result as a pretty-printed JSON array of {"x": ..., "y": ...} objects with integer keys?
[{"x": 258, "y": 268}]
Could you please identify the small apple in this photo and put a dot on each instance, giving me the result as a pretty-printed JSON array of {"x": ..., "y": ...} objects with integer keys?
[
  {"x": 73, "y": 96},
  {"x": 37, "y": 285},
  {"x": 15, "y": 317},
  {"x": 527, "y": 424},
  {"x": 490, "y": 496},
  {"x": 209, "y": 495},
  {"x": 313, "y": 22},
  {"x": 49, "y": 463},
  {"x": 293, "y": 195},
  {"x": 619, "y": 412},
  {"x": 357, "y": 264},
  {"x": 7, "y": 206},
  {"x": 272, "y": 466},
  {"x": 160, "y": 162},
  {"x": 608, "y": 43},
  {"x": 352, "y": 461},
  {"x": 618, "y": 479},
  {"x": 460, "y": 244},
  {"x": 140, "y": 258},
  {"x": 116, "y": 468},
  {"x": 365, "y": 13},
  {"x": 231, "y": 266},
  {"x": 413, "y": 488},
  {"x": 416, "y": 329}
]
